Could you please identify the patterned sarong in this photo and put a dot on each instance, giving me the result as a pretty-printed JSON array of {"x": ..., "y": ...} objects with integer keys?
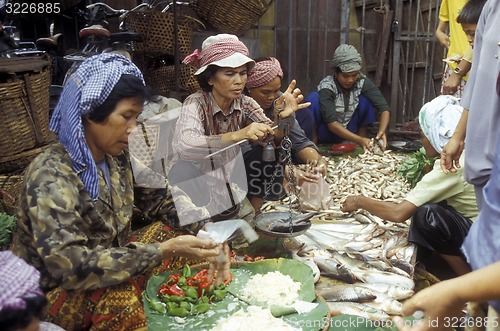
[{"x": 118, "y": 307}]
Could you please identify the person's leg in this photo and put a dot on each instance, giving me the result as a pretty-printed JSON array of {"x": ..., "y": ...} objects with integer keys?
[
  {"x": 441, "y": 229},
  {"x": 307, "y": 117},
  {"x": 364, "y": 116}
]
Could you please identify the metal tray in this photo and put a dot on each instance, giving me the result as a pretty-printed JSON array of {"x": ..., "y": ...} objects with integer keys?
[{"x": 263, "y": 222}]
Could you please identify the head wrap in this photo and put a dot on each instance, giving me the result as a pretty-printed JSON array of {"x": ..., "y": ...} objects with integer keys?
[
  {"x": 87, "y": 88},
  {"x": 438, "y": 119},
  {"x": 346, "y": 58},
  {"x": 18, "y": 280},
  {"x": 223, "y": 50},
  {"x": 264, "y": 72}
]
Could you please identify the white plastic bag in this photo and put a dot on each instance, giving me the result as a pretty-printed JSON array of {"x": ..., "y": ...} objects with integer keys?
[{"x": 315, "y": 195}]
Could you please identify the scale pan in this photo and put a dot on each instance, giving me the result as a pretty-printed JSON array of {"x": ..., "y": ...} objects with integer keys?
[{"x": 264, "y": 221}]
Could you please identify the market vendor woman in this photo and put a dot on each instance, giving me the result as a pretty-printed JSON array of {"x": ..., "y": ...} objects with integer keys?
[
  {"x": 347, "y": 102},
  {"x": 220, "y": 115},
  {"x": 74, "y": 221}
]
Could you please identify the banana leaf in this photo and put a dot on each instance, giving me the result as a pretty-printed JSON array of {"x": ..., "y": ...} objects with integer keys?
[{"x": 298, "y": 271}]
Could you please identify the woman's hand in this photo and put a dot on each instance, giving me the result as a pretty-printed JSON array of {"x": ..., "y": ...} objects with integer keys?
[
  {"x": 381, "y": 136},
  {"x": 190, "y": 247},
  {"x": 451, "y": 85},
  {"x": 302, "y": 176},
  {"x": 443, "y": 38},
  {"x": 450, "y": 155},
  {"x": 219, "y": 265},
  {"x": 439, "y": 305},
  {"x": 255, "y": 131},
  {"x": 350, "y": 204},
  {"x": 291, "y": 101},
  {"x": 366, "y": 144}
]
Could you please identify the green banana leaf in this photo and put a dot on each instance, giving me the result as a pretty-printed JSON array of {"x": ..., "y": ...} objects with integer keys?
[{"x": 298, "y": 271}]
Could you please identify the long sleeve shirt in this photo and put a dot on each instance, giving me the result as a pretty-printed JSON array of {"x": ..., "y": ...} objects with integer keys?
[{"x": 74, "y": 242}]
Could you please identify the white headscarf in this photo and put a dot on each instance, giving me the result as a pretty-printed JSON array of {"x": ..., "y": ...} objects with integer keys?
[{"x": 438, "y": 119}]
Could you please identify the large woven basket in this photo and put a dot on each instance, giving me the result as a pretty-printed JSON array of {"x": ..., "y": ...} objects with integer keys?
[
  {"x": 162, "y": 80},
  {"x": 19, "y": 161},
  {"x": 24, "y": 104},
  {"x": 232, "y": 16},
  {"x": 157, "y": 31}
]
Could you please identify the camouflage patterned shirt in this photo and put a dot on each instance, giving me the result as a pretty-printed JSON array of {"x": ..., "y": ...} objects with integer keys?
[{"x": 74, "y": 242}]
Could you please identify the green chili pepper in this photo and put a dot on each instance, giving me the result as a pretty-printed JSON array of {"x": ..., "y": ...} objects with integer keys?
[
  {"x": 181, "y": 281},
  {"x": 157, "y": 305},
  {"x": 180, "y": 312},
  {"x": 185, "y": 304},
  {"x": 186, "y": 271},
  {"x": 204, "y": 299},
  {"x": 165, "y": 298},
  {"x": 200, "y": 308},
  {"x": 191, "y": 292},
  {"x": 218, "y": 295},
  {"x": 176, "y": 298},
  {"x": 172, "y": 305}
]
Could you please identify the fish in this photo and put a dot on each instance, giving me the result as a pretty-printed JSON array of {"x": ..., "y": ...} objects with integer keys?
[
  {"x": 376, "y": 276},
  {"x": 393, "y": 291},
  {"x": 346, "y": 293},
  {"x": 329, "y": 268},
  {"x": 358, "y": 309}
]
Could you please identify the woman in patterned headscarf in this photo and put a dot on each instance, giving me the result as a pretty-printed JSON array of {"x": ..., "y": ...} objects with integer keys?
[
  {"x": 76, "y": 206},
  {"x": 220, "y": 115}
]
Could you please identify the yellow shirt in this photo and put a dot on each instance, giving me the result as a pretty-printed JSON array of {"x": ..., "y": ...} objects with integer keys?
[{"x": 448, "y": 12}]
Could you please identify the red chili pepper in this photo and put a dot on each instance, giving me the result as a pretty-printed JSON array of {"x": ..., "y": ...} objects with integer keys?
[
  {"x": 173, "y": 278},
  {"x": 163, "y": 289},
  {"x": 175, "y": 290},
  {"x": 192, "y": 282}
]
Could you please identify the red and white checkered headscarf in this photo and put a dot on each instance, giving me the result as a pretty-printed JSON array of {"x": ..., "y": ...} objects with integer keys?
[
  {"x": 264, "y": 72},
  {"x": 222, "y": 50}
]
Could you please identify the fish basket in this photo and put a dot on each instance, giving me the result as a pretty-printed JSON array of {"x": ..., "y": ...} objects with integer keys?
[
  {"x": 157, "y": 31},
  {"x": 232, "y": 16},
  {"x": 162, "y": 79},
  {"x": 10, "y": 190},
  {"x": 24, "y": 104}
]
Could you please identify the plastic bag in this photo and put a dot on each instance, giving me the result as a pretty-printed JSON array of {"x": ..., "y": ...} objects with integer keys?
[
  {"x": 222, "y": 231},
  {"x": 315, "y": 195}
]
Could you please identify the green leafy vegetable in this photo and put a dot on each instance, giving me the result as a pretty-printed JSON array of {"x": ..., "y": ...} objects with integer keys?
[
  {"x": 415, "y": 167},
  {"x": 7, "y": 226}
]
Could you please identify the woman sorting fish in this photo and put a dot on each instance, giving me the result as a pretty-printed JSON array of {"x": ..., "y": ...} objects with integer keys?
[
  {"x": 441, "y": 206},
  {"x": 221, "y": 115}
]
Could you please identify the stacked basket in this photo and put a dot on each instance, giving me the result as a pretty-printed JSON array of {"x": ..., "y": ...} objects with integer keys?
[
  {"x": 24, "y": 113},
  {"x": 158, "y": 46}
]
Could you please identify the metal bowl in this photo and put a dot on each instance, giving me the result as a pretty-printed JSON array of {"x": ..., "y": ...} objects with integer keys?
[{"x": 263, "y": 222}]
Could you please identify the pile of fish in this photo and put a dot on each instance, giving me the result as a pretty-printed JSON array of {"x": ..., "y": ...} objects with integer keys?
[{"x": 369, "y": 259}]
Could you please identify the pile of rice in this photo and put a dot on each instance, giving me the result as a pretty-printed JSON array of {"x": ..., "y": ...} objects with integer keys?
[
  {"x": 255, "y": 318},
  {"x": 272, "y": 288}
]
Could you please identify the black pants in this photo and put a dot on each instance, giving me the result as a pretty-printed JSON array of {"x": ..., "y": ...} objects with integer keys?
[{"x": 438, "y": 227}]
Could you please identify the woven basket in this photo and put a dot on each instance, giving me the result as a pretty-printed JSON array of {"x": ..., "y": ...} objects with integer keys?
[
  {"x": 157, "y": 31},
  {"x": 24, "y": 111},
  {"x": 10, "y": 190},
  {"x": 19, "y": 161},
  {"x": 232, "y": 16},
  {"x": 162, "y": 80}
]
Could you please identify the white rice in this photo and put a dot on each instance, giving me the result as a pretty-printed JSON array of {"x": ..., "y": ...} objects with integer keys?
[
  {"x": 272, "y": 288},
  {"x": 255, "y": 318}
]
